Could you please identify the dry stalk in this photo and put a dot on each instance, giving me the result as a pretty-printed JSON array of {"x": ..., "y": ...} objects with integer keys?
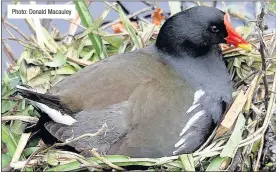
[
  {"x": 97, "y": 155},
  {"x": 80, "y": 61},
  {"x": 9, "y": 52},
  {"x": 263, "y": 52},
  {"x": 20, "y": 147},
  {"x": 15, "y": 28},
  {"x": 70, "y": 140},
  {"x": 21, "y": 118},
  {"x": 256, "y": 168}
]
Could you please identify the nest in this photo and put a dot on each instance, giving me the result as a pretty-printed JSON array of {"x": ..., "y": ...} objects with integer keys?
[{"x": 244, "y": 140}]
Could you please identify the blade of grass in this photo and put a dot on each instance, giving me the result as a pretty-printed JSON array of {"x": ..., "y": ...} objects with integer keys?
[
  {"x": 232, "y": 145},
  {"x": 129, "y": 27},
  {"x": 48, "y": 39},
  {"x": 188, "y": 162},
  {"x": 87, "y": 21},
  {"x": 232, "y": 114}
]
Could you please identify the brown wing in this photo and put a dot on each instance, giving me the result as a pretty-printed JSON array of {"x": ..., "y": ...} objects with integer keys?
[{"x": 112, "y": 80}]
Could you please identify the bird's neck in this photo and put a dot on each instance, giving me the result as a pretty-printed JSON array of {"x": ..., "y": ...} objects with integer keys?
[
  {"x": 207, "y": 72},
  {"x": 180, "y": 48}
]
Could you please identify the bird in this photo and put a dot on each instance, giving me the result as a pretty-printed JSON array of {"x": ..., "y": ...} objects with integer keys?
[{"x": 161, "y": 100}]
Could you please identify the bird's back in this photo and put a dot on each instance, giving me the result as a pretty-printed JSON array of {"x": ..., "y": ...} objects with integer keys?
[{"x": 114, "y": 79}]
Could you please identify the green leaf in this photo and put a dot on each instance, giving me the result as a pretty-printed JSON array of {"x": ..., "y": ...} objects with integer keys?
[
  {"x": 56, "y": 79},
  {"x": 235, "y": 138},
  {"x": 216, "y": 163},
  {"x": 129, "y": 28},
  {"x": 18, "y": 126},
  {"x": 29, "y": 151},
  {"x": 59, "y": 60},
  {"x": 256, "y": 146},
  {"x": 86, "y": 55},
  {"x": 40, "y": 79},
  {"x": 24, "y": 55},
  {"x": 175, "y": 7},
  {"x": 188, "y": 162},
  {"x": 66, "y": 70},
  {"x": 6, "y": 79},
  {"x": 9, "y": 139},
  {"x": 6, "y": 159},
  {"x": 23, "y": 71},
  {"x": 6, "y": 93},
  {"x": 32, "y": 72},
  {"x": 119, "y": 160},
  {"x": 272, "y": 6},
  {"x": 75, "y": 65},
  {"x": 14, "y": 79},
  {"x": 114, "y": 40},
  {"x": 87, "y": 21},
  {"x": 7, "y": 105}
]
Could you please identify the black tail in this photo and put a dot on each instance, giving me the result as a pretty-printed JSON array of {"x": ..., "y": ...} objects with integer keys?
[
  {"x": 39, "y": 129},
  {"x": 49, "y": 100}
]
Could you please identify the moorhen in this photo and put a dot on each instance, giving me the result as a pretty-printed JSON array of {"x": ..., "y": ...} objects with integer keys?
[{"x": 161, "y": 100}]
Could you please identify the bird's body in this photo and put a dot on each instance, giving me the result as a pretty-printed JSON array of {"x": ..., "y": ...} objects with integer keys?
[
  {"x": 147, "y": 91},
  {"x": 153, "y": 102}
]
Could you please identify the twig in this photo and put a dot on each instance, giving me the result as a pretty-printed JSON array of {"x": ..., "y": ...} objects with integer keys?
[
  {"x": 30, "y": 158},
  {"x": 9, "y": 52},
  {"x": 129, "y": 16},
  {"x": 20, "y": 147},
  {"x": 20, "y": 41},
  {"x": 259, "y": 154},
  {"x": 268, "y": 115},
  {"x": 77, "y": 24},
  {"x": 80, "y": 61},
  {"x": 9, "y": 32},
  {"x": 97, "y": 155},
  {"x": 22, "y": 164},
  {"x": 16, "y": 29},
  {"x": 147, "y": 3},
  {"x": 88, "y": 165},
  {"x": 245, "y": 78},
  {"x": 68, "y": 141},
  {"x": 263, "y": 51},
  {"x": 22, "y": 118}
]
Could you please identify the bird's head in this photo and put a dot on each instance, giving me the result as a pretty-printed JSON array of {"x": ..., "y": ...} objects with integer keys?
[{"x": 196, "y": 30}]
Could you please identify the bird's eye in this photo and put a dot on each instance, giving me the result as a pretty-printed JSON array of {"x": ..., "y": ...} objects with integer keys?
[{"x": 214, "y": 29}]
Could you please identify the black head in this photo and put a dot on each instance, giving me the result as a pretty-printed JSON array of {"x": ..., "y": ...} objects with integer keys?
[{"x": 192, "y": 32}]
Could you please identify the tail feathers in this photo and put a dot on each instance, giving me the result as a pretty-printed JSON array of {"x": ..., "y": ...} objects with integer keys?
[
  {"x": 49, "y": 100},
  {"x": 49, "y": 104}
]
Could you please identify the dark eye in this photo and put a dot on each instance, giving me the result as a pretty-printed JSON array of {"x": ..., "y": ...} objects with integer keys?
[{"x": 214, "y": 29}]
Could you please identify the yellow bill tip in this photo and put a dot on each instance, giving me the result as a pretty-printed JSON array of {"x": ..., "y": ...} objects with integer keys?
[{"x": 247, "y": 47}]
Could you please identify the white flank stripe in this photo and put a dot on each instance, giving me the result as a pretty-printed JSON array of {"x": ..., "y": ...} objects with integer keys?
[
  {"x": 180, "y": 142},
  {"x": 197, "y": 95},
  {"x": 191, "y": 121},
  {"x": 192, "y": 108},
  {"x": 55, "y": 115}
]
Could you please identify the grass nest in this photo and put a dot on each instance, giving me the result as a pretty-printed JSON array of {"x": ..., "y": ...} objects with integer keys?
[{"x": 244, "y": 140}]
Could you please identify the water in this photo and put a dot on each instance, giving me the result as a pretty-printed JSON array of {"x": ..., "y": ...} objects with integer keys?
[{"x": 96, "y": 9}]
